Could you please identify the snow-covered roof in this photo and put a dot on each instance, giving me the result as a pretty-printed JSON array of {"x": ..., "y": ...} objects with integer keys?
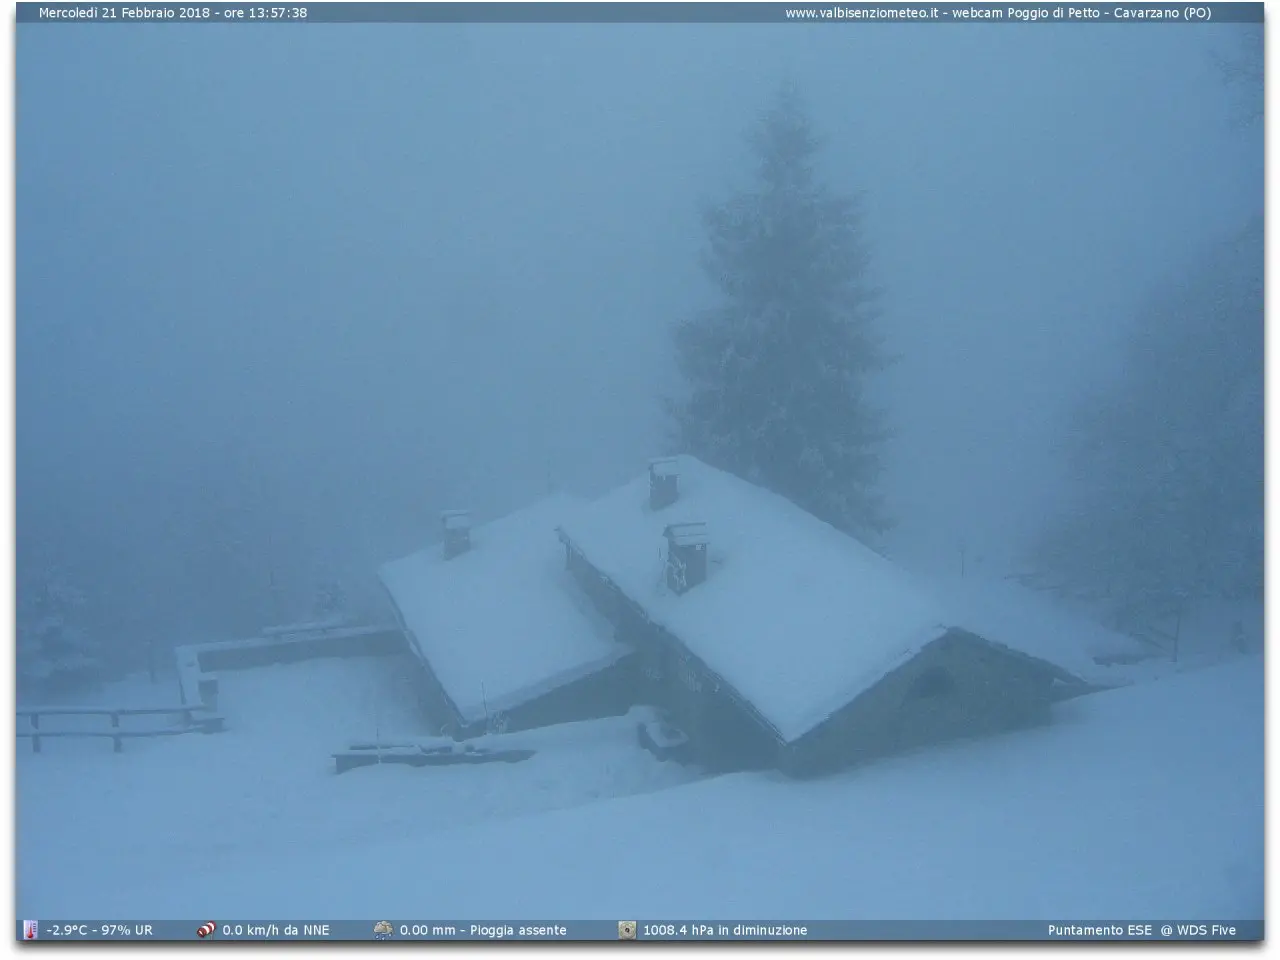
[
  {"x": 1002, "y": 612},
  {"x": 499, "y": 624},
  {"x": 797, "y": 616}
]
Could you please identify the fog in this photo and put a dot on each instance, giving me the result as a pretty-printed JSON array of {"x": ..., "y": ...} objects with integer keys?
[{"x": 285, "y": 292}]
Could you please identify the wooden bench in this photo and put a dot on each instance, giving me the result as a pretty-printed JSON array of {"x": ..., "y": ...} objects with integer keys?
[{"x": 414, "y": 756}]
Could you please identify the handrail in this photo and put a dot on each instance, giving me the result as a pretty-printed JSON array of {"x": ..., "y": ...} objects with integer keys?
[
  {"x": 206, "y": 723},
  {"x": 104, "y": 711}
]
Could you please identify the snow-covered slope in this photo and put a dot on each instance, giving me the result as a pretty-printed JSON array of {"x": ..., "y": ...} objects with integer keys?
[
  {"x": 266, "y": 791},
  {"x": 501, "y": 623},
  {"x": 1138, "y": 804}
]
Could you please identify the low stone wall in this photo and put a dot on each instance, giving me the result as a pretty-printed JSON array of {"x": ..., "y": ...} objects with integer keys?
[{"x": 197, "y": 663}]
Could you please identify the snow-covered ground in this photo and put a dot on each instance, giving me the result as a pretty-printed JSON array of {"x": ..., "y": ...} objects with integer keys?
[
  {"x": 266, "y": 789},
  {"x": 1136, "y": 804}
]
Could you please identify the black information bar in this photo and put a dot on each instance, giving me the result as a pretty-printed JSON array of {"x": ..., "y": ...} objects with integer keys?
[
  {"x": 631, "y": 12},
  {"x": 844, "y": 930}
]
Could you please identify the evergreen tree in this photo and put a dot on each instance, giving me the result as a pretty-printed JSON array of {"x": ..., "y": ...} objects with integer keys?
[
  {"x": 55, "y": 652},
  {"x": 1242, "y": 69},
  {"x": 330, "y": 601},
  {"x": 1167, "y": 462},
  {"x": 776, "y": 373}
]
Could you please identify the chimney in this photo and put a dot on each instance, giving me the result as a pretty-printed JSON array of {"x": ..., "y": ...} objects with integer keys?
[
  {"x": 686, "y": 555},
  {"x": 664, "y": 482},
  {"x": 457, "y": 532}
]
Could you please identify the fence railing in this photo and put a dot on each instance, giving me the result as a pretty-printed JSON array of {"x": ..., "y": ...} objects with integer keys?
[{"x": 192, "y": 719}]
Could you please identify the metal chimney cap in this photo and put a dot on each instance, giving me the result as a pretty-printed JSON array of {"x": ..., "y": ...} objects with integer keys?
[
  {"x": 689, "y": 534},
  {"x": 664, "y": 466},
  {"x": 456, "y": 519}
]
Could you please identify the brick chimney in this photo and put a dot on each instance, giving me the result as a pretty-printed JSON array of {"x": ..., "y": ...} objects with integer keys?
[
  {"x": 457, "y": 532},
  {"x": 664, "y": 482},
  {"x": 686, "y": 555}
]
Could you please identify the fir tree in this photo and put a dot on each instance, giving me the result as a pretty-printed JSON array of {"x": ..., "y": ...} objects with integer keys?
[
  {"x": 55, "y": 653},
  {"x": 1167, "y": 462},
  {"x": 330, "y": 601},
  {"x": 776, "y": 373}
]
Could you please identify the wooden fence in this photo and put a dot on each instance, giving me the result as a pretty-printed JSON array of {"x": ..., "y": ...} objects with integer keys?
[{"x": 192, "y": 719}]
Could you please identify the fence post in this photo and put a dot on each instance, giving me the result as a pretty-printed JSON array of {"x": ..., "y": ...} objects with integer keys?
[
  {"x": 206, "y": 688},
  {"x": 118, "y": 744}
]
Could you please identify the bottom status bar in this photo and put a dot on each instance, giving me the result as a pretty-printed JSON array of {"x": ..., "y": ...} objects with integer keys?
[{"x": 864, "y": 930}]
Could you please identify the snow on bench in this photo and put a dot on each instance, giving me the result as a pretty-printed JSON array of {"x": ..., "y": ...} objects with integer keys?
[{"x": 426, "y": 753}]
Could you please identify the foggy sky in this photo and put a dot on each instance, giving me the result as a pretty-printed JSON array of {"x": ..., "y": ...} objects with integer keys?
[{"x": 311, "y": 284}]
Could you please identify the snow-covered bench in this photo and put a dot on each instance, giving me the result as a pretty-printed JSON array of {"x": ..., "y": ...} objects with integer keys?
[{"x": 427, "y": 753}]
